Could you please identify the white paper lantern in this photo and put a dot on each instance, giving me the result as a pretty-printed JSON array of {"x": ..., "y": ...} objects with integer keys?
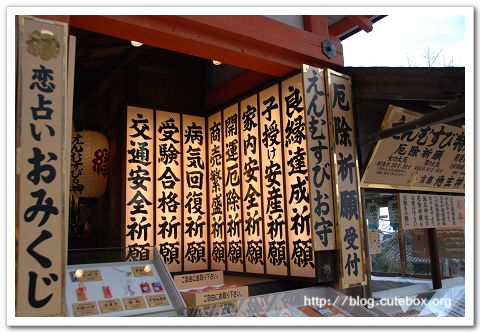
[{"x": 89, "y": 160}]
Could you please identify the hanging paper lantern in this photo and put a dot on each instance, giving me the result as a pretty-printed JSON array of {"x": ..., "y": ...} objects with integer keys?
[{"x": 88, "y": 164}]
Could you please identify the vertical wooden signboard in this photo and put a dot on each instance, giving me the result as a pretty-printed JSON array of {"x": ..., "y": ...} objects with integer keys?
[
  {"x": 319, "y": 159},
  {"x": 298, "y": 214},
  {"x": 251, "y": 186},
  {"x": 233, "y": 195},
  {"x": 215, "y": 191},
  {"x": 273, "y": 195},
  {"x": 41, "y": 179},
  {"x": 168, "y": 189},
  {"x": 346, "y": 179},
  {"x": 139, "y": 184},
  {"x": 195, "y": 235}
]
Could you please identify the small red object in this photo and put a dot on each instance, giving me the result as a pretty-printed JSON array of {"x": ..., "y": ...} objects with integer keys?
[
  {"x": 81, "y": 292},
  {"x": 145, "y": 287},
  {"x": 106, "y": 292}
]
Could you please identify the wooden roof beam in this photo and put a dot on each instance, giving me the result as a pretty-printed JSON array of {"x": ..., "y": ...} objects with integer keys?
[
  {"x": 276, "y": 37},
  {"x": 363, "y": 22},
  {"x": 316, "y": 24},
  {"x": 255, "y": 43},
  {"x": 351, "y": 22},
  {"x": 416, "y": 84}
]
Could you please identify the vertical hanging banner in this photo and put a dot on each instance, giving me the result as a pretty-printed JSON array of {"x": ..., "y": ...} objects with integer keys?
[
  {"x": 251, "y": 186},
  {"x": 393, "y": 214},
  {"x": 215, "y": 192},
  {"x": 319, "y": 159},
  {"x": 139, "y": 184},
  {"x": 375, "y": 245},
  {"x": 296, "y": 179},
  {"x": 233, "y": 197},
  {"x": 41, "y": 210},
  {"x": 372, "y": 215},
  {"x": 195, "y": 234},
  {"x": 168, "y": 174},
  {"x": 273, "y": 196},
  {"x": 346, "y": 177}
]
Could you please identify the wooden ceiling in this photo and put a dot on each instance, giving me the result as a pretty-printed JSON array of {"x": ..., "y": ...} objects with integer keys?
[{"x": 101, "y": 59}]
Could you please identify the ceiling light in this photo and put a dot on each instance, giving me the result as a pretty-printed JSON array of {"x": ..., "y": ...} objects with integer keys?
[
  {"x": 216, "y": 63},
  {"x": 136, "y": 43}
]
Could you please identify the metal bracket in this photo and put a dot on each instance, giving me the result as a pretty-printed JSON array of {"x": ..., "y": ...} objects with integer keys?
[{"x": 329, "y": 49}]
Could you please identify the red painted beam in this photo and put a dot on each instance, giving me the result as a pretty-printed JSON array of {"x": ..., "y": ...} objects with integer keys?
[
  {"x": 268, "y": 32},
  {"x": 316, "y": 24},
  {"x": 252, "y": 42},
  {"x": 236, "y": 86},
  {"x": 349, "y": 23}
]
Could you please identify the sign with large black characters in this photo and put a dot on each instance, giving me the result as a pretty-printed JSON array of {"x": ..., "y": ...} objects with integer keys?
[
  {"x": 41, "y": 177},
  {"x": 195, "y": 233},
  {"x": 273, "y": 189},
  {"x": 251, "y": 186},
  {"x": 233, "y": 194},
  {"x": 431, "y": 158},
  {"x": 256, "y": 187},
  {"x": 346, "y": 178},
  {"x": 319, "y": 159},
  {"x": 216, "y": 192},
  {"x": 168, "y": 193},
  {"x": 139, "y": 184}
]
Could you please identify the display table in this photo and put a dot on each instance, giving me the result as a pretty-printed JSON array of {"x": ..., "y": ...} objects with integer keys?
[
  {"x": 305, "y": 302},
  {"x": 131, "y": 289},
  {"x": 122, "y": 289},
  {"x": 448, "y": 301}
]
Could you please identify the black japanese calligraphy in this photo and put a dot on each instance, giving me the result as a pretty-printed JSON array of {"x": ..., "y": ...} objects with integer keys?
[
  {"x": 235, "y": 251},
  {"x": 196, "y": 252},
  {"x": 348, "y": 204},
  {"x": 254, "y": 252},
  {"x": 170, "y": 252},
  {"x": 194, "y": 133},
  {"x": 302, "y": 253},
  {"x": 339, "y": 97}
]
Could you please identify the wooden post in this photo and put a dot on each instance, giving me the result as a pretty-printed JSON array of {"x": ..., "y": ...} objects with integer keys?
[
  {"x": 367, "y": 291},
  {"x": 403, "y": 256},
  {"x": 434, "y": 258}
]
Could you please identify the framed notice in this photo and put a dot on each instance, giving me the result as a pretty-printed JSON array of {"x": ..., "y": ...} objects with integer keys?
[
  {"x": 430, "y": 158},
  {"x": 431, "y": 211}
]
